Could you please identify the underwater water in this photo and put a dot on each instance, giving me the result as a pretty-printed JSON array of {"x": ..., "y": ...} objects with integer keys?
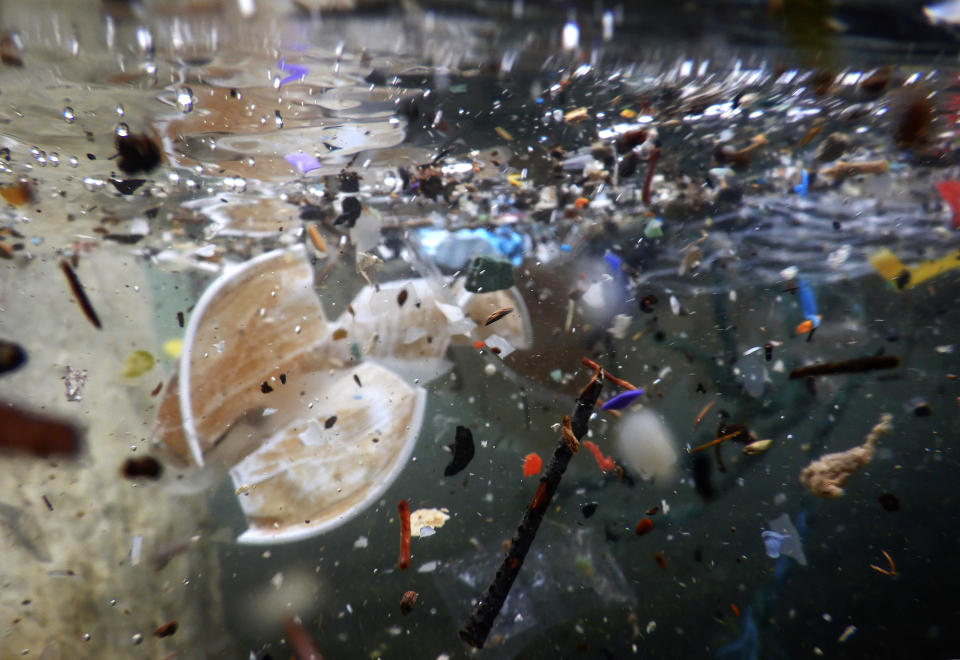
[{"x": 270, "y": 270}]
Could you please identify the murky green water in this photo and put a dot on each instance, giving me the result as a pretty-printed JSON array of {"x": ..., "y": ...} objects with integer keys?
[{"x": 239, "y": 188}]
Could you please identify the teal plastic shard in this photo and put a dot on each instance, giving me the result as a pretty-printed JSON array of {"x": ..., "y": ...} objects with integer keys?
[{"x": 486, "y": 274}]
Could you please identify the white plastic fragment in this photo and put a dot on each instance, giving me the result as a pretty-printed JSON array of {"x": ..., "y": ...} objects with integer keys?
[
  {"x": 847, "y": 633},
  {"x": 360, "y": 543},
  {"x": 136, "y": 548},
  {"x": 277, "y": 580},
  {"x": 674, "y": 305},
  {"x": 498, "y": 342},
  {"x": 428, "y": 567},
  {"x": 789, "y": 272}
]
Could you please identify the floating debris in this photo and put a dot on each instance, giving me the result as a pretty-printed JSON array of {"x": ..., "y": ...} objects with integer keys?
[
  {"x": 497, "y": 315},
  {"x": 783, "y": 539},
  {"x": 403, "y": 509},
  {"x": 25, "y": 432},
  {"x": 661, "y": 560},
  {"x": 137, "y": 153},
  {"x": 757, "y": 447},
  {"x": 166, "y": 630},
  {"x": 826, "y": 476},
  {"x": 486, "y": 274},
  {"x": 17, "y": 194},
  {"x": 622, "y": 400},
  {"x": 857, "y": 365},
  {"x": 138, "y": 363},
  {"x": 603, "y": 462},
  {"x": 74, "y": 381},
  {"x": 644, "y": 526},
  {"x": 142, "y": 467},
  {"x": 463, "y": 451},
  {"x": 532, "y": 464},
  {"x": 78, "y": 292},
  {"x": 475, "y": 631},
  {"x": 891, "y": 571},
  {"x": 408, "y": 601},
  {"x": 424, "y": 519},
  {"x": 589, "y": 509},
  {"x": 12, "y": 356}
]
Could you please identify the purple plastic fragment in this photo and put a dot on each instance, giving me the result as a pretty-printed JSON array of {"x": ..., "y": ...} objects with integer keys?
[
  {"x": 303, "y": 162},
  {"x": 622, "y": 400},
  {"x": 296, "y": 72}
]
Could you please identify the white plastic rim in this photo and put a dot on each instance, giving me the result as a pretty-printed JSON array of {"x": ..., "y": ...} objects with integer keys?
[
  {"x": 199, "y": 311},
  {"x": 261, "y": 536}
]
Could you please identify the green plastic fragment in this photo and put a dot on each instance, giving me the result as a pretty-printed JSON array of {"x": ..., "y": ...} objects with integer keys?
[
  {"x": 355, "y": 352},
  {"x": 654, "y": 228},
  {"x": 556, "y": 375},
  {"x": 137, "y": 364},
  {"x": 486, "y": 274}
]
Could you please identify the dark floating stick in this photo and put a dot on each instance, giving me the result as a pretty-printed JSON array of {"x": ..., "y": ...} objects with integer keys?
[
  {"x": 847, "y": 366},
  {"x": 478, "y": 626},
  {"x": 80, "y": 294}
]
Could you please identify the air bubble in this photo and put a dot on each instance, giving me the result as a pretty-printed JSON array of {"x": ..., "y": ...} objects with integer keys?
[
  {"x": 119, "y": 110},
  {"x": 69, "y": 115},
  {"x": 122, "y": 129},
  {"x": 185, "y": 99}
]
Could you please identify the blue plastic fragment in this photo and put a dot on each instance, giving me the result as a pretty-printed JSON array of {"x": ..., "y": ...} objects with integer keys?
[
  {"x": 455, "y": 249},
  {"x": 565, "y": 248},
  {"x": 303, "y": 162},
  {"x": 808, "y": 305},
  {"x": 622, "y": 400},
  {"x": 772, "y": 542},
  {"x": 804, "y": 186},
  {"x": 614, "y": 262},
  {"x": 296, "y": 72}
]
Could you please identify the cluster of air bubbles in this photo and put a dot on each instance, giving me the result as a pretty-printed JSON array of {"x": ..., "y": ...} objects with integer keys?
[{"x": 235, "y": 183}]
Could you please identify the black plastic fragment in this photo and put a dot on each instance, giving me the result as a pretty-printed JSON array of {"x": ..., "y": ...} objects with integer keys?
[{"x": 463, "y": 451}]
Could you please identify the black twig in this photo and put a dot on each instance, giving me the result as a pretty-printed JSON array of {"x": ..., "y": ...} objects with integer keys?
[
  {"x": 478, "y": 626},
  {"x": 77, "y": 289}
]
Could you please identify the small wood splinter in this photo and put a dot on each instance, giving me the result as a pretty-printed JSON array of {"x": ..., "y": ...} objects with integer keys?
[
  {"x": 568, "y": 436},
  {"x": 77, "y": 289},
  {"x": 717, "y": 441},
  {"x": 893, "y": 567},
  {"x": 619, "y": 382}
]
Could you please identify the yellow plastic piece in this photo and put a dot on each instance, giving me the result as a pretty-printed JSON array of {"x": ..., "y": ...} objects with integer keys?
[
  {"x": 890, "y": 268},
  {"x": 137, "y": 364},
  {"x": 172, "y": 348}
]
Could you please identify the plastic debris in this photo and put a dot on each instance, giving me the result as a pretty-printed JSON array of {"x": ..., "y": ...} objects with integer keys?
[
  {"x": 622, "y": 400},
  {"x": 463, "y": 451},
  {"x": 783, "y": 539},
  {"x": 532, "y": 464},
  {"x": 427, "y": 519},
  {"x": 74, "y": 380},
  {"x": 486, "y": 274},
  {"x": 138, "y": 363},
  {"x": 303, "y": 162}
]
